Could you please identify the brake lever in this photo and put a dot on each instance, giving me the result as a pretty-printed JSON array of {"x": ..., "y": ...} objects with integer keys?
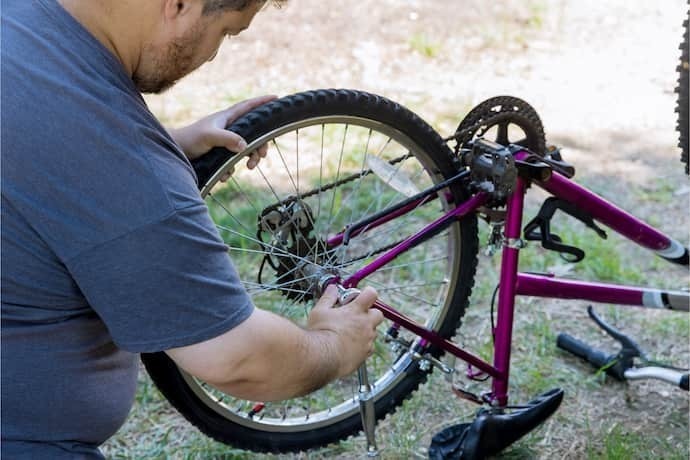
[{"x": 630, "y": 348}]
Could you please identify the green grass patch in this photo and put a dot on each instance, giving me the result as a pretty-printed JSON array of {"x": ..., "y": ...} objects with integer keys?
[
  {"x": 620, "y": 443},
  {"x": 424, "y": 45}
]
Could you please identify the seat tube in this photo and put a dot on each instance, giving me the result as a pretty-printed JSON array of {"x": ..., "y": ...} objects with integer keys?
[{"x": 506, "y": 294}]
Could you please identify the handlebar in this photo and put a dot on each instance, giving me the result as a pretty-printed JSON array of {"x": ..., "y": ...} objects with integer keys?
[
  {"x": 596, "y": 358},
  {"x": 659, "y": 373},
  {"x": 619, "y": 368}
]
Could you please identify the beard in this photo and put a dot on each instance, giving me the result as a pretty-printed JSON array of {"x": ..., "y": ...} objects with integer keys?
[{"x": 168, "y": 65}]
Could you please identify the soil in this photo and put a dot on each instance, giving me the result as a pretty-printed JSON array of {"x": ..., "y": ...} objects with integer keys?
[{"x": 600, "y": 74}]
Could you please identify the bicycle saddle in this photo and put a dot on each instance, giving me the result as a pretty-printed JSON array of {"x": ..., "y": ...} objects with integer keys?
[{"x": 493, "y": 431}]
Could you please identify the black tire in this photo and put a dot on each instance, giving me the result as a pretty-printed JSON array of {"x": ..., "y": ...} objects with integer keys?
[
  {"x": 682, "y": 91},
  {"x": 360, "y": 112}
]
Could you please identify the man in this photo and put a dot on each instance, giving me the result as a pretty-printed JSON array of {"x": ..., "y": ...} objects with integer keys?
[{"x": 107, "y": 248}]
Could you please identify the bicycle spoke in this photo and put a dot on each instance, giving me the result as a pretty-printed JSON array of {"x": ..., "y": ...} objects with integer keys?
[
  {"x": 287, "y": 169},
  {"x": 261, "y": 243},
  {"x": 297, "y": 169},
  {"x": 230, "y": 214},
  {"x": 362, "y": 170},
  {"x": 337, "y": 177}
]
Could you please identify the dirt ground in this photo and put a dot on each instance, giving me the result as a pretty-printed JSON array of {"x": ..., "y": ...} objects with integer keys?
[{"x": 600, "y": 74}]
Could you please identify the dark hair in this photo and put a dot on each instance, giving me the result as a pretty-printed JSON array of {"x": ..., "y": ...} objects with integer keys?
[{"x": 214, "y": 6}]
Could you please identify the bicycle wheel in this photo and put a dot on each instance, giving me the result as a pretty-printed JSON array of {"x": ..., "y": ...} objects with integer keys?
[
  {"x": 335, "y": 157},
  {"x": 683, "y": 101}
]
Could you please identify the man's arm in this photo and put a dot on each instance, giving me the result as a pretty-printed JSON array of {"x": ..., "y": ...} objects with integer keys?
[{"x": 268, "y": 358}]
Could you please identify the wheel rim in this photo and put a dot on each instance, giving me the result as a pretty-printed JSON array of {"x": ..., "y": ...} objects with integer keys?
[{"x": 289, "y": 206}]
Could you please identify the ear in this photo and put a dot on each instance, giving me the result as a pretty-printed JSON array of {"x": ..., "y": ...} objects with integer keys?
[{"x": 175, "y": 10}]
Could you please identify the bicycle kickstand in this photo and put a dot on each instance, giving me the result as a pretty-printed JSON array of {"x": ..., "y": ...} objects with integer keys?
[
  {"x": 621, "y": 366},
  {"x": 365, "y": 393},
  {"x": 367, "y": 410}
]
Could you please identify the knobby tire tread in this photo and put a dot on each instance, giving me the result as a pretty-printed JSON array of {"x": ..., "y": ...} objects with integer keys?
[{"x": 682, "y": 100}]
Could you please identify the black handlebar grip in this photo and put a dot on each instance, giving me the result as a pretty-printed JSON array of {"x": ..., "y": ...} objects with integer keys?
[
  {"x": 684, "y": 382},
  {"x": 580, "y": 349}
]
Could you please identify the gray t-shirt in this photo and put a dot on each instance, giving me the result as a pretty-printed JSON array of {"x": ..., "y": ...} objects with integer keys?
[{"x": 107, "y": 247}]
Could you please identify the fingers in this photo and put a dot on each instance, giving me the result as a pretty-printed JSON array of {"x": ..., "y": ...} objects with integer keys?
[
  {"x": 237, "y": 110},
  {"x": 263, "y": 151},
  {"x": 328, "y": 299},
  {"x": 211, "y": 131},
  {"x": 376, "y": 316},
  {"x": 366, "y": 298},
  {"x": 235, "y": 143},
  {"x": 254, "y": 159},
  {"x": 364, "y": 301},
  {"x": 223, "y": 138}
]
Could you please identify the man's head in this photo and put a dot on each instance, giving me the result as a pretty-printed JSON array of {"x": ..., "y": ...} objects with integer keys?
[{"x": 190, "y": 34}]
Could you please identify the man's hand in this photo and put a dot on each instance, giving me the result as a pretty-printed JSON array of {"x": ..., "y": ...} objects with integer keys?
[
  {"x": 200, "y": 137},
  {"x": 351, "y": 328}
]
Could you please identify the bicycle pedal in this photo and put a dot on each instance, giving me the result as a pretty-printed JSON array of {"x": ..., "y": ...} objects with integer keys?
[
  {"x": 475, "y": 374},
  {"x": 426, "y": 362},
  {"x": 466, "y": 395}
]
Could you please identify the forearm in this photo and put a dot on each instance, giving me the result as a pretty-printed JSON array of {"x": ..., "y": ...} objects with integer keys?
[
  {"x": 286, "y": 361},
  {"x": 265, "y": 358}
]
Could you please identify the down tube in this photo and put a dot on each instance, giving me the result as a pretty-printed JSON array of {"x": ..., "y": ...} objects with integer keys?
[{"x": 616, "y": 218}]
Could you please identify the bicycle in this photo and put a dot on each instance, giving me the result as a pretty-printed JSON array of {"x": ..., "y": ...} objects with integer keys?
[{"x": 393, "y": 203}]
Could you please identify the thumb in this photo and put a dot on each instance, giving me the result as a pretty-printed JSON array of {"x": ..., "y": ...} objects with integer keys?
[
  {"x": 239, "y": 109},
  {"x": 231, "y": 141},
  {"x": 328, "y": 299}
]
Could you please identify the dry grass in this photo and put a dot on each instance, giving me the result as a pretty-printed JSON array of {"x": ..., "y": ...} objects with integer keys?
[{"x": 601, "y": 76}]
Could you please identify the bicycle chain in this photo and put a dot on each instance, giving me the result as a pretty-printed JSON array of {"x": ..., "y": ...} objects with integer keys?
[
  {"x": 501, "y": 109},
  {"x": 482, "y": 118},
  {"x": 507, "y": 109},
  {"x": 330, "y": 186}
]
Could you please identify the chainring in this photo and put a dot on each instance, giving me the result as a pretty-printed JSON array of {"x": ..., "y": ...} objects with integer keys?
[{"x": 505, "y": 114}]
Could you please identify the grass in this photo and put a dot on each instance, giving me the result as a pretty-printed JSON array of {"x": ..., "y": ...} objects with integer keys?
[
  {"x": 599, "y": 418},
  {"x": 618, "y": 427},
  {"x": 424, "y": 45},
  {"x": 605, "y": 419},
  {"x": 621, "y": 444}
]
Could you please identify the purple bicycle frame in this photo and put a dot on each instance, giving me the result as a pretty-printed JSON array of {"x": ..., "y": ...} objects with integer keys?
[{"x": 513, "y": 283}]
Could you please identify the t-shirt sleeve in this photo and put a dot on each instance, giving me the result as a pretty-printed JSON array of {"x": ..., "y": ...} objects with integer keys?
[{"x": 166, "y": 284}]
